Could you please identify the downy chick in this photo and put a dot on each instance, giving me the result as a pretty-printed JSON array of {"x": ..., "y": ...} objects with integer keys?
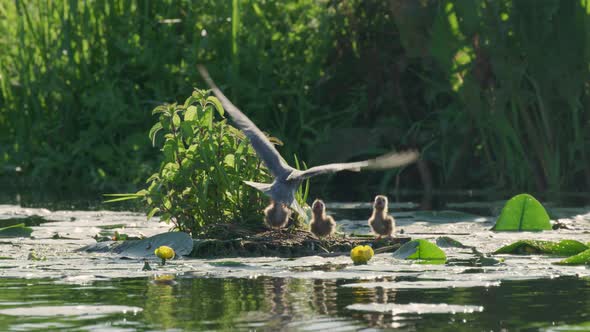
[
  {"x": 380, "y": 222},
  {"x": 321, "y": 224},
  {"x": 276, "y": 215}
]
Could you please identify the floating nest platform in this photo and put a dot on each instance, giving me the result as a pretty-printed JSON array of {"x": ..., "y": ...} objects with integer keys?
[
  {"x": 285, "y": 243},
  {"x": 289, "y": 243}
]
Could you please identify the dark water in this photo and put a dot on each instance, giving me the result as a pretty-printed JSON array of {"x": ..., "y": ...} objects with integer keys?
[{"x": 269, "y": 304}]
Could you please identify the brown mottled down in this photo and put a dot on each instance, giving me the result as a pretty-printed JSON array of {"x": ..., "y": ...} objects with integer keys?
[
  {"x": 276, "y": 215},
  {"x": 321, "y": 224},
  {"x": 380, "y": 222}
]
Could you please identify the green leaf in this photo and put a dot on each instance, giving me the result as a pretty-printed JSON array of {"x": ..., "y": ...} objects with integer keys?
[
  {"x": 169, "y": 171},
  {"x": 207, "y": 119},
  {"x": 152, "y": 213},
  {"x": 193, "y": 98},
  {"x": 523, "y": 213},
  {"x": 229, "y": 160},
  {"x": 186, "y": 130},
  {"x": 19, "y": 230},
  {"x": 121, "y": 197},
  {"x": 191, "y": 113},
  {"x": 160, "y": 109},
  {"x": 582, "y": 258},
  {"x": 169, "y": 149},
  {"x": 213, "y": 100},
  {"x": 176, "y": 120},
  {"x": 561, "y": 248},
  {"x": 420, "y": 249},
  {"x": 155, "y": 129}
]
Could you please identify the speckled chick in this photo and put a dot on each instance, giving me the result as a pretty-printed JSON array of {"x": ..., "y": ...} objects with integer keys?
[
  {"x": 276, "y": 215},
  {"x": 321, "y": 224},
  {"x": 380, "y": 222}
]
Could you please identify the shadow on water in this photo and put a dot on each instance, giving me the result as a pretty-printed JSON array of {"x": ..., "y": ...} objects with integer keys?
[{"x": 278, "y": 303}]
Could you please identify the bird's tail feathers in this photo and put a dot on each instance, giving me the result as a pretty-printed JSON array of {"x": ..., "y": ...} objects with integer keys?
[{"x": 295, "y": 206}]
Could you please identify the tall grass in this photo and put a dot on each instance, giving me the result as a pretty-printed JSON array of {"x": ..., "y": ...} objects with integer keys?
[
  {"x": 79, "y": 79},
  {"x": 494, "y": 92}
]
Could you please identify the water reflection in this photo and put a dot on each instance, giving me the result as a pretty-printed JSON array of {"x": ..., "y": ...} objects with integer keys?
[{"x": 270, "y": 304}]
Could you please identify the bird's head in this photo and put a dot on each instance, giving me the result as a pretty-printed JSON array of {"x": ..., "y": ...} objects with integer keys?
[
  {"x": 380, "y": 202},
  {"x": 318, "y": 206}
]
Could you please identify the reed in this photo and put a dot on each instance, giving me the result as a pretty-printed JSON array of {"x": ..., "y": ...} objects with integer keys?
[{"x": 491, "y": 91}]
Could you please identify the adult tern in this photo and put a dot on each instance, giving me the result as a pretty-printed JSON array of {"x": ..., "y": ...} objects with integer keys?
[{"x": 286, "y": 178}]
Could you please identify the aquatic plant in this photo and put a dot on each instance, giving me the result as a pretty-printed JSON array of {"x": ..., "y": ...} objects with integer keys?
[
  {"x": 582, "y": 258},
  {"x": 205, "y": 161},
  {"x": 164, "y": 253},
  {"x": 19, "y": 230},
  {"x": 561, "y": 248},
  {"x": 361, "y": 254},
  {"x": 523, "y": 213},
  {"x": 420, "y": 249}
]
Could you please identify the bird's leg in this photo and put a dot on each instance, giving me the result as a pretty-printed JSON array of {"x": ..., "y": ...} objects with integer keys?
[{"x": 378, "y": 238}]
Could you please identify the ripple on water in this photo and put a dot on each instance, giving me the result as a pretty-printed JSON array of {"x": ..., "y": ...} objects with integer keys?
[
  {"x": 415, "y": 308},
  {"x": 425, "y": 284},
  {"x": 70, "y": 310}
]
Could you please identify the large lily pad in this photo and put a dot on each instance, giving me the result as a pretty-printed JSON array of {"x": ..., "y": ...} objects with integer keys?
[
  {"x": 19, "y": 230},
  {"x": 523, "y": 213},
  {"x": 561, "y": 248},
  {"x": 582, "y": 258},
  {"x": 181, "y": 242},
  {"x": 420, "y": 249}
]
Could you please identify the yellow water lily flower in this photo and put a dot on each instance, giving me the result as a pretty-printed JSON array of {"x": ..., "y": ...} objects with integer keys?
[
  {"x": 164, "y": 252},
  {"x": 361, "y": 254}
]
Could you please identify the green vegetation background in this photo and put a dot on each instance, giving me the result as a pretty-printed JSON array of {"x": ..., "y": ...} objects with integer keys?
[{"x": 494, "y": 93}]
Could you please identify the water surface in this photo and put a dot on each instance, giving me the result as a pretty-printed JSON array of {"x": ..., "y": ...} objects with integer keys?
[{"x": 67, "y": 290}]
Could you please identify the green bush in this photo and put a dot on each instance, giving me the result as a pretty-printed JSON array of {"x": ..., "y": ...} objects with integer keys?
[{"x": 205, "y": 160}]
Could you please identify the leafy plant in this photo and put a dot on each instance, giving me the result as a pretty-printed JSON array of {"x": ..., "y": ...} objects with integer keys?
[
  {"x": 582, "y": 258},
  {"x": 19, "y": 230},
  {"x": 561, "y": 248},
  {"x": 420, "y": 249},
  {"x": 523, "y": 213},
  {"x": 205, "y": 160}
]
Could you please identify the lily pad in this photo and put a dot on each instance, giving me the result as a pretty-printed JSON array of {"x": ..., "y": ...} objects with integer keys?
[
  {"x": 181, "y": 242},
  {"x": 420, "y": 249},
  {"x": 582, "y": 258},
  {"x": 561, "y": 248},
  {"x": 449, "y": 242},
  {"x": 19, "y": 230},
  {"x": 523, "y": 213}
]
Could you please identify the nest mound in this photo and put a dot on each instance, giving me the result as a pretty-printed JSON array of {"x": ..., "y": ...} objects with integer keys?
[{"x": 288, "y": 243}]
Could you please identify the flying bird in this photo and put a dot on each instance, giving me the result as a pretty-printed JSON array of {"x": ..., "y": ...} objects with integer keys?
[{"x": 286, "y": 178}]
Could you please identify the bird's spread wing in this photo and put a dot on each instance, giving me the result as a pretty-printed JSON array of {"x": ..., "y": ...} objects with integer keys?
[
  {"x": 263, "y": 147},
  {"x": 389, "y": 160}
]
